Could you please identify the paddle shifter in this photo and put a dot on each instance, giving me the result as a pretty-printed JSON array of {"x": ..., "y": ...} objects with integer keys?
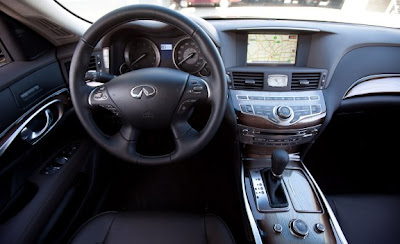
[{"x": 273, "y": 181}]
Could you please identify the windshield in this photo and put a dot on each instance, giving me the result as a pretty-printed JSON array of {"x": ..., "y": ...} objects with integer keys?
[{"x": 369, "y": 12}]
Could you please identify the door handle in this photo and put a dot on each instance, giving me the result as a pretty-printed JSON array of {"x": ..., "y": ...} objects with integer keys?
[{"x": 30, "y": 135}]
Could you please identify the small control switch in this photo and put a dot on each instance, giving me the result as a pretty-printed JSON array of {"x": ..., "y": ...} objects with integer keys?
[
  {"x": 284, "y": 112},
  {"x": 319, "y": 228},
  {"x": 299, "y": 228},
  {"x": 61, "y": 160},
  {"x": 277, "y": 228}
]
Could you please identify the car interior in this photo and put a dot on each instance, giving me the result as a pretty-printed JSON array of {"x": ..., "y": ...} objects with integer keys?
[{"x": 150, "y": 125}]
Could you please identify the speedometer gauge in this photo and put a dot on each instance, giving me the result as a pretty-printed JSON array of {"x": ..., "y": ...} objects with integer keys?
[
  {"x": 187, "y": 56},
  {"x": 141, "y": 53}
]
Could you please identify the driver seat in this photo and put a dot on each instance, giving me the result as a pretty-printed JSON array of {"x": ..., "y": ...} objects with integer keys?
[{"x": 153, "y": 227}]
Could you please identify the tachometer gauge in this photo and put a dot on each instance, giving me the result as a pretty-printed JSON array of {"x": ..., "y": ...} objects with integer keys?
[
  {"x": 141, "y": 53},
  {"x": 187, "y": 56}
]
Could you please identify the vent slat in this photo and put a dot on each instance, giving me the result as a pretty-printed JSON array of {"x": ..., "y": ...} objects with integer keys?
[
  {"x": 248, "y": 80},
  {"x": 92, "y": 63},
  {"x": 305, "y": 81},
  {"x": 91, "y": 66},
  {"x": 57, "y": 30}
]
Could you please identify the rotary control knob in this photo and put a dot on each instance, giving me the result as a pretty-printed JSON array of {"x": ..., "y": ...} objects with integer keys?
[
  {"x": 284, "y": 112},
  {"x": 298, "y": 228}
]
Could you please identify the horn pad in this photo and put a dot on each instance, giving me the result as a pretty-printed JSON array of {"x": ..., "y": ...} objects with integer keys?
[{"x": 148, "y": 97}]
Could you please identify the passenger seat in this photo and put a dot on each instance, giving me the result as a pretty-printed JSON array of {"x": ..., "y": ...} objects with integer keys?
[{"x": 368, "y": 218}]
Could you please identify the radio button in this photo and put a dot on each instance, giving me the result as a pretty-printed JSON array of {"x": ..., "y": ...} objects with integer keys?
[{"x": 315, "y": 109}]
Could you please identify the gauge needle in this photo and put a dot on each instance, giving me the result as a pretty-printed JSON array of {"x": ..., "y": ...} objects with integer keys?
[
  {"x": 139, "y": 58},
  {"x": 189, "y": 56}
]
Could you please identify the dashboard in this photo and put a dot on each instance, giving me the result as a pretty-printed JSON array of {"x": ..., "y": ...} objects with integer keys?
[{"x": 286, "y": 78}]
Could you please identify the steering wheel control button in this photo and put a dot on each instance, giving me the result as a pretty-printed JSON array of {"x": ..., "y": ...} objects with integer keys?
[
  {"x": 298, "y": 228},
  {"x": 277, "y": 228},
  {"x": 284, "y": 112},
  {"x": 100, "y": 96},
  {"x": 198, "y": 89},
  {"x": 319, "y": 228},
  {"x": 186, "y": 105}
]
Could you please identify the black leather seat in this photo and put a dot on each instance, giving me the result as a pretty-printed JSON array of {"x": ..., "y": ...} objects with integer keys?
[
  {"x": 368, "y": 218},
  {"x": 153, "y": 227}
]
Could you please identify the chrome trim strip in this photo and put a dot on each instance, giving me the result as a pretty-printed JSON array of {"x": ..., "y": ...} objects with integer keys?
[
  {"x": 31, "y": 110},
  {"x": 331, "y": 215},
  {"x": 253, "y": 225},
  {"x": 7, "y": 143},
  {"x": 368, "y": 78},
  {"x": 277, "y": 28}
]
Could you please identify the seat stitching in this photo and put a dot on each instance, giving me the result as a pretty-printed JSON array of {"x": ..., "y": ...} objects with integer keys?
[
  {"x": 86, "y": 223},
  {"x": 109, "y": 228},
  {"x": 226, "y": 226},
  {"x": 205, "y": 228}
]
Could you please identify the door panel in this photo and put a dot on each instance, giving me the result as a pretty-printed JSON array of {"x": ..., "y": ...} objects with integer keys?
[{"x": 38, "y": 128}]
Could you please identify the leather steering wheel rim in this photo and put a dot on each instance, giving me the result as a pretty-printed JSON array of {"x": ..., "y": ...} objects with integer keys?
[{"x": 187, "y": 143}]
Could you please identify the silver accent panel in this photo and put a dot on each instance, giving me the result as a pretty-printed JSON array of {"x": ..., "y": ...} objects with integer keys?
[
  {"x": 30, "y": 135},
  {"x": 106, "y": 58},
  {"x": 373, "y": 85},
  {"x": 41, "y": 134},
  {"x": 253, "y": 225},
  {"x": 32, "y": 109},
  {"x": 260, "y": 193},
  {"x": 305, "y": 105}
]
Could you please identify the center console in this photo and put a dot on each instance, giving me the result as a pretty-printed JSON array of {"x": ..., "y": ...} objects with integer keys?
[{"x": 280, "y": 106}]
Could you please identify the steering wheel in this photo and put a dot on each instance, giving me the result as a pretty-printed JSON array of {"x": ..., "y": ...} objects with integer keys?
[{"x": 150, "y": 98}]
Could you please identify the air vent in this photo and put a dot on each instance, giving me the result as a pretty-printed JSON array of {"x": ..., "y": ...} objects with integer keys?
[
  {"x": 4, "y": 58},
  {"x": 248, "y": 81},
  {"x": 92, "y": 64},
  {"x": 58, "y": 31},
  {"x": 305, "y": 81}
]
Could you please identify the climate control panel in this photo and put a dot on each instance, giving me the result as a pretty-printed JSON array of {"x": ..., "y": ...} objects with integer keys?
[{"x": 280, "y": 108}]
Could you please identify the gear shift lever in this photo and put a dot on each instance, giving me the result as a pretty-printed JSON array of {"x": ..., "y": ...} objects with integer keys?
[
  {"x": 280, "y": 159},
  {"x": 273, "y": 181}
]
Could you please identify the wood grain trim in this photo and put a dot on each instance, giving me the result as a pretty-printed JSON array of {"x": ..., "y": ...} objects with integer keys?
[{"x": 374, "y": 86}]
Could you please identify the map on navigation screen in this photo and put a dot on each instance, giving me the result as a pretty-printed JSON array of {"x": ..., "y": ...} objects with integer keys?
[{"x": 271, "y": 49}]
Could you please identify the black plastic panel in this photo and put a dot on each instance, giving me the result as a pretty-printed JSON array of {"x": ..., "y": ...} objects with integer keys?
[
  {"x": 38, "y": 84},
  {"x": 8, "y": 108}
]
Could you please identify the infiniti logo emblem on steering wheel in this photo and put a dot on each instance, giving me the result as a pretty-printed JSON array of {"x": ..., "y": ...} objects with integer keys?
[{"x": 147, "y": 90}]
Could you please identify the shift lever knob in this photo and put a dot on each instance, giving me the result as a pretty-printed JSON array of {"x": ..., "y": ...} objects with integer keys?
[{"x": 280, "y": 159}]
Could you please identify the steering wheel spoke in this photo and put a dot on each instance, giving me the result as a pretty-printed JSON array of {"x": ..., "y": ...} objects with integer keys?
[{"x": 129, "y": 132}]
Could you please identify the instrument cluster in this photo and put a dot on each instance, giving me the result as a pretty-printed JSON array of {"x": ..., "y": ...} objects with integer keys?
[{"x": 180, "y": 53}]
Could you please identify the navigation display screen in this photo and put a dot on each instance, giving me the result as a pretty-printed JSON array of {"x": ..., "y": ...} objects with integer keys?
[{"x": 271, "y": 48}]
